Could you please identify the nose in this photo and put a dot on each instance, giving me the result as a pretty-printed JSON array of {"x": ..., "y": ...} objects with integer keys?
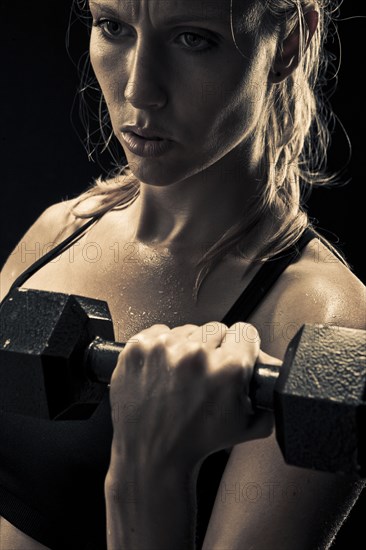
[{"x": 143, "y": 89}]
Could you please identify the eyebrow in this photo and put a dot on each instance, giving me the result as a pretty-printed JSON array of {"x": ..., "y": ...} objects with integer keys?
[
  {"x": 184, "y": 18},
  {"x": 190, "y": 18}
]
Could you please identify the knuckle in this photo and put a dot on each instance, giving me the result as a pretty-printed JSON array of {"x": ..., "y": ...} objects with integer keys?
[
  {"x": 248, "y": 331},
  {"x": 213, "y": 328},
  {"x": 160, "y": 340},
  {"x": 133, "y": 352},
  {"x": 196, "y": 349},
  {"x": 220, "y": 327},
  {"x": 137, "y": 339},
  {"x": 190, "y": 352},
  {"x": 150, "y": 333},
  {"x": 158, "y": 348},
  {"x": 228, "y": 366},
  {"x": 217, "y": 324},
  {"x": 190, "y": 325}
]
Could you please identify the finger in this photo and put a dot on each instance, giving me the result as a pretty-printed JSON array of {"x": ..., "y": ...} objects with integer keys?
[
  {"x": 242, "y": 341},
  {"x": 224, "y": 362},
  {"x": 184, "y": 330},
  {"x": 176, "y": 337},
  {"x": 148, "y": 333},
  {"x": 210, "y": 334},
  {"x": 237, "y": 355},
  {"x": 266, "y": 359}
]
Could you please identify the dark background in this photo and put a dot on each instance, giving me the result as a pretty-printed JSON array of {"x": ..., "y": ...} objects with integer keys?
[{"x": 43, "y": 160}]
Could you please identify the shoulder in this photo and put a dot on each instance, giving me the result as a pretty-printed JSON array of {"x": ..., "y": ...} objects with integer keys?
[
  {"x": 52, "y": 221},
  {"x": 324, "y": 287},
  {"x": 318, "y": 289},
  {"x": 257, "y": 486},
  {"x": 53, "y": 224}
]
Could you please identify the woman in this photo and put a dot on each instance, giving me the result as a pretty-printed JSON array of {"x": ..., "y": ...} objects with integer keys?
[{"x": 229, "y": 91}]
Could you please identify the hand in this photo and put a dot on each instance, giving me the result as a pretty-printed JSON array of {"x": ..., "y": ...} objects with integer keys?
[{"x": 177, "y": 395}]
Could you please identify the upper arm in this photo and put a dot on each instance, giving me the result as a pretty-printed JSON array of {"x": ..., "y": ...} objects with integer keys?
[
  {"x": 262, "y": 502},
  {"x": 330, "y": 295},
  {"x": 34, "y": 244},
  {"x": 37, "y": 240}
]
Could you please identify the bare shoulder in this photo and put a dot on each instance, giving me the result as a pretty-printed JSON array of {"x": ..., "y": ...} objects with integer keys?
[
  {"x": 49, "y": 228},
  {"x": 318, "y": 288},
  {"x": 258, "y": 488},
  {"x": 325, "y": 289}
]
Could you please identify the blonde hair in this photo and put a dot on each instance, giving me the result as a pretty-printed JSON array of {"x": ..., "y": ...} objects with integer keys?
[{"x": 295, "y": 133}]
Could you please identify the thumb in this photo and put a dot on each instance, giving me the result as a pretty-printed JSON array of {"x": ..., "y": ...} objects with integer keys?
[{"x": 266, "y": 359}]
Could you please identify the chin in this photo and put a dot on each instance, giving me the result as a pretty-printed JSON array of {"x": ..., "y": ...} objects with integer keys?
[
  {"x": 152, "y": 172},
  {"x": 155, "y": 176}
]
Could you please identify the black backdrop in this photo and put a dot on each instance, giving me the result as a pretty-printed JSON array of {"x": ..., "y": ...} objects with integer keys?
[{"x": 43, "y": 160}]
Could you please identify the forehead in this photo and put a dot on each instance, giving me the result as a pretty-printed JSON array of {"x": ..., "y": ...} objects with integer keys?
[
  {"x": 161, "y": 12},
  {"x": 138, "y": 8}
]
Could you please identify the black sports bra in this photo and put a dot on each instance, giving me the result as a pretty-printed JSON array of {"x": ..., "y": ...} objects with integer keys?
[{"x": 52, "y": 473}]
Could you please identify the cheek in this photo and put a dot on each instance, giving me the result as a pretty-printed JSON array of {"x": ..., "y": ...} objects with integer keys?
[
  {"x": 107, "y": 69},
  {"x": 96, "y": 55},
  {"x": 243, "y": 87},
  {"x": 235, "y": 103},
  {"x": 216, "y": 102}
]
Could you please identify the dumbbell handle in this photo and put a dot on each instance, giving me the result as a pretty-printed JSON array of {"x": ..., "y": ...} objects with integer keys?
[{"x": 101, "y": 357}]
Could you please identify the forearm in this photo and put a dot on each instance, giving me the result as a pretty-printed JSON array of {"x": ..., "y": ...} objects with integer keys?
[{"x": 153, "y": 510}]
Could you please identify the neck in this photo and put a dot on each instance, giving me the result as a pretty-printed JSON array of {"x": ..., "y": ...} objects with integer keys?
[{"x": 196, "y": 211}]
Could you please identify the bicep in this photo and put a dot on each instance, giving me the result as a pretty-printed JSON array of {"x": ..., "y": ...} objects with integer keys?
[{"x": 263, "y": 503}]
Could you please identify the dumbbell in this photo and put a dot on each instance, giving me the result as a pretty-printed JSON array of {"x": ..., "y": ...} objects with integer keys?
[{"x": 57, "y": 355}]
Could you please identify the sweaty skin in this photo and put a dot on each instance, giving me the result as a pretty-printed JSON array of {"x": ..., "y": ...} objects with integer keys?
[{"x": 210, "y": 105}]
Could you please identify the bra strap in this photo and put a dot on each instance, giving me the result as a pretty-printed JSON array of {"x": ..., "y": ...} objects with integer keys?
[
  {"x": 56, "y": 251},
  {"x": 264, "y": 279}
]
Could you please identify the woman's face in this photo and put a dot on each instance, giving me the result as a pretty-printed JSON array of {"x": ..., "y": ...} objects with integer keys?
[{"x": 184, "y": 77}]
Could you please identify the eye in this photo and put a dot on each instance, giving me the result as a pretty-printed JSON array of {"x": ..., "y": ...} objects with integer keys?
[
  {"x": 112, "y": 30},
  {"x": 194, "y": 40},
  {"x": 109, "y": 28}
]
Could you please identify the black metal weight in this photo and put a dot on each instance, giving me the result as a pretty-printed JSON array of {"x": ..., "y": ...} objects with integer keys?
[{"x": 57, "y": 355}]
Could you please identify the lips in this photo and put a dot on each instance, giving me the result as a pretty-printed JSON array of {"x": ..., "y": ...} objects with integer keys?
[
  {"x": 147, "y": 132},
  {"x": 156, "y": 138},
  {"x": 146, "y": 147}
]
